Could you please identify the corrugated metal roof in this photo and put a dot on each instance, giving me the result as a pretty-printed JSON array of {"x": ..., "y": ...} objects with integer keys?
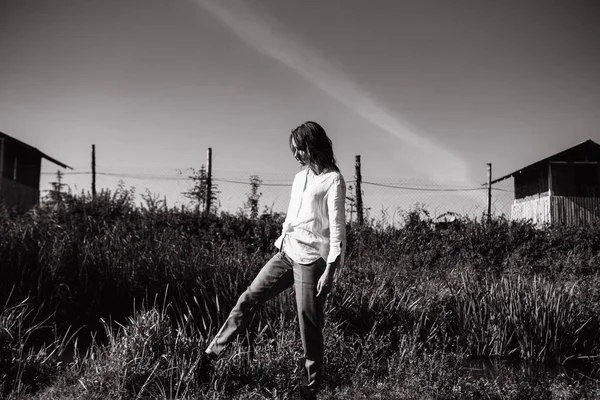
[
  {"x": 589, "y": 142},
  {"x": 43, "y": 155}
]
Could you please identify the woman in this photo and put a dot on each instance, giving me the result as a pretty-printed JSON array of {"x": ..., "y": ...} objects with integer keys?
[{"x": 311, "y": 248}]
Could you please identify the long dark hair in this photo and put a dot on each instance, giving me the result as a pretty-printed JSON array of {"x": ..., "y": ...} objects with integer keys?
[{"x": 311, "y": 138}]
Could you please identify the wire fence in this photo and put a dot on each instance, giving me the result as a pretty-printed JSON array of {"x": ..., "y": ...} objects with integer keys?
[{"x": 384, "y": 199}]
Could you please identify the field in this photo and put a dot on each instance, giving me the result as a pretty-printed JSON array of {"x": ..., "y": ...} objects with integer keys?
[{"x": 104, "y": 300}]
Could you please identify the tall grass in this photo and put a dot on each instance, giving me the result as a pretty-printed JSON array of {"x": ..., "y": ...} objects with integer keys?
[
  {"x": 25, "y": 363},
  {"x": 145, "y": 289},
  {"x": 531, "y": 319}
]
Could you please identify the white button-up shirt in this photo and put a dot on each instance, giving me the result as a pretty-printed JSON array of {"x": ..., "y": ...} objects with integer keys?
[{"x": 315, "y": 224}]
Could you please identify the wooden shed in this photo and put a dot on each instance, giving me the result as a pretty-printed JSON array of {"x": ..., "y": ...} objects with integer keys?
[
  {"x": 560, "y": 189},
  {"x": 20, "y": 169}
]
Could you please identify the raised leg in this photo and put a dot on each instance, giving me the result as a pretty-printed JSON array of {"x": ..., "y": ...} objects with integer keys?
[{"x": 273, "y": 278}]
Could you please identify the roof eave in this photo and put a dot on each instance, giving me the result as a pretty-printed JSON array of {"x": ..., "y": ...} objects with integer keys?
[
  {"x": 547, "y": 159},
  {"x": 43, "y": 155},
  {"x": 55, "y": 161}
]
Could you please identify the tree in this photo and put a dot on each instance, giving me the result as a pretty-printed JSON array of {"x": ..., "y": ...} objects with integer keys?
[
  {"x": 350, "y": 203},
  {"x": 254, "y": 195},
  {"x": 198, "y": 194},
  {"x": 152, "y": 201},
  {"x": 56, "y": 196}
]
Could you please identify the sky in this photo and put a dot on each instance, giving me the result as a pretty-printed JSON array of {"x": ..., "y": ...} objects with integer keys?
[{"x": 427, "y": 91}]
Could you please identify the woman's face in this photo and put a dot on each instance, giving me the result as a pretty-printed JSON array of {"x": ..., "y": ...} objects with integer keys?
[{"x": 300, "y": 155}]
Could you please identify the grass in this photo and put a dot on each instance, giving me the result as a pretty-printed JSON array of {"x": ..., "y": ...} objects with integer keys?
[{"x": 103, "y": 299}]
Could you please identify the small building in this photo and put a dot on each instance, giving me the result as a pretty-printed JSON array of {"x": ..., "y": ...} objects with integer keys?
[
  {"x": 446, "y": 220},
  {"x": 560, "y": 189},
  {"x": 20, "y": 169}
]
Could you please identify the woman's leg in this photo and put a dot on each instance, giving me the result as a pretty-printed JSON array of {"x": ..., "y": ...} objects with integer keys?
[
  {"x": 276, "y": 276},
  {"x": 311, "y": 317}
]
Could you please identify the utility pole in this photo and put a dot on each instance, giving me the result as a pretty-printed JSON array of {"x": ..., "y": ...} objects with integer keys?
[
  {"x": 359, "y": 203},
  {"x": 208, "y": 181},
  {"x": 93, "y": 172},
  {"x": 489, "y": 203}
]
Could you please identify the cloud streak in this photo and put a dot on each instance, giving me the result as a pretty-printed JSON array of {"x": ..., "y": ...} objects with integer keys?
[{"x": 264, "y": 36}]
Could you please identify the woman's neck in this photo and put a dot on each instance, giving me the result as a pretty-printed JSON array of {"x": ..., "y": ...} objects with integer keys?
[{"x": 316, "y": 170}]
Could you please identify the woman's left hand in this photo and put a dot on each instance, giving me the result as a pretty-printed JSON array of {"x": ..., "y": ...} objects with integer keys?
[{"x": 325, "y": 282}]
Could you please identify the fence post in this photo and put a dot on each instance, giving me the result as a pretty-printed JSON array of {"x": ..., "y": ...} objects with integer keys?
[
  {"x": 93, "y": 172},
  {"x": 489, "y": 194},
  {"x": 208, "y": 181},
  {"x": 359, "y": 202}
]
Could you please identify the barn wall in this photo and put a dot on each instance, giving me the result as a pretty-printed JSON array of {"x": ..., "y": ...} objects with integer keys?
[
  {"x": 575, "y": 180},
  {"x": 16, "y": 195},
  {"x": 575, "y": 210},
  {"x": 2, "y": 141},
  {"x": 558, "y": 210},
  {"x": 536, "y": 209},
  {"x": 7, "y": 161},
  {"x": 531, "y": 182},
  {"x": 28, "y": 164}
]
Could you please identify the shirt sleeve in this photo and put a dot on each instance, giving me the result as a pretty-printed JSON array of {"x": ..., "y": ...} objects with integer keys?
[
  {"x": 288, "y": 216},
  {"x": 336, "y": 208},
  {"x": 292, "y": 206}
]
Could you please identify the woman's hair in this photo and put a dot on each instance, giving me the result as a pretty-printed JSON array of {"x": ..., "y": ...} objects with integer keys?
[{"x": 311, "y": 138}]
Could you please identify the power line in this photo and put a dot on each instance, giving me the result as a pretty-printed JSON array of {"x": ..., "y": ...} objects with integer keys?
[
  {"x": 145, "y": 176},
  {"x": 126, "y": 175},
  {"x": 271, "y": 184},
  {"x": 247, "y": 183},
  {"x": 66, "y": 173},
  {"x": 503, "y": 190},
  {"x": 422, "y": 188}
]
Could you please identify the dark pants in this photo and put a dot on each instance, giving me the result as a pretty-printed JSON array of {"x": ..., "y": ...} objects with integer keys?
[{"x": 279, "y": 273}]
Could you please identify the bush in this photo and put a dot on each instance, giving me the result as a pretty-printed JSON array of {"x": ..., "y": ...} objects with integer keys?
[{"x": 468, "y": 288}]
